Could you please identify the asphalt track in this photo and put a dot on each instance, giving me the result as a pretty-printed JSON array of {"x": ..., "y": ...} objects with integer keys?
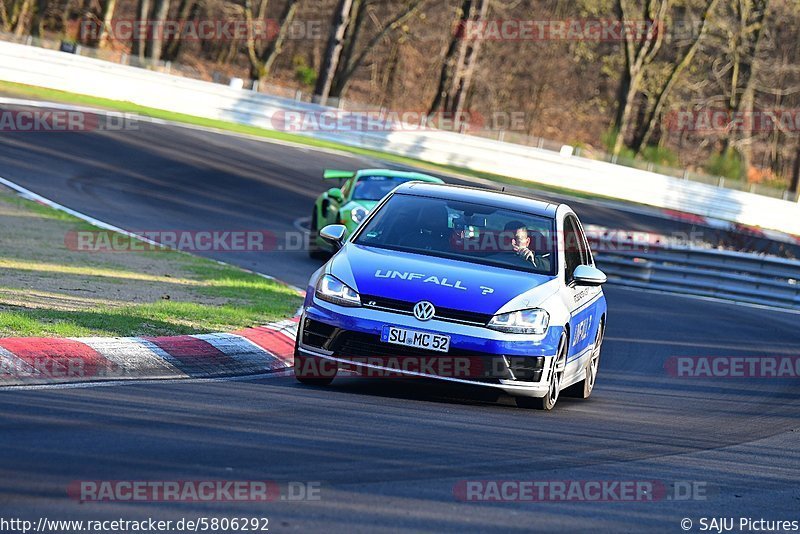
[{"x": 387, "y": 454}]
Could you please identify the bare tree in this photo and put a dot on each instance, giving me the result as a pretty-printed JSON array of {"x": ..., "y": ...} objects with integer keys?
[
  {"x": 261, "y": 61},
  {"x": 333, "y": 52},
  {"x": 38, "y": 17},
  {"x": 107, "y": 16},
  {"x": 156, "y": 41},
  {"x": 187, "y": 10},
  {"x": 639, "y": 52},
  {"x": 138, "y": 47},
  {"x": 652, "y": 116},
  {"x": 744, "y": 42},
  {"x": 350, "y": 62},
  {"x": 455, "y": 78}
]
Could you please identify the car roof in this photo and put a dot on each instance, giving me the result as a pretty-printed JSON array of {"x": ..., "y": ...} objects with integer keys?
[
  {"x": 397, "y": 174},
  {"x": 480, "y": 196}
]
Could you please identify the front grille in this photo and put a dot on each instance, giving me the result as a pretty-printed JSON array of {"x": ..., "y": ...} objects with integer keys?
[
  {"x": 444, "y": 314},
  {"x": 468, "y": 365}
]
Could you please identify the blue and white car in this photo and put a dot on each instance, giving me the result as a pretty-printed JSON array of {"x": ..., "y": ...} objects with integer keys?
[{"x": 459, "y": 284}]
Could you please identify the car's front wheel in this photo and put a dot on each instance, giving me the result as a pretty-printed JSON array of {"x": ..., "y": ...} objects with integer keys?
[
  {"x": 314, "y": 371},
  {"x": 548, "y": 402}
]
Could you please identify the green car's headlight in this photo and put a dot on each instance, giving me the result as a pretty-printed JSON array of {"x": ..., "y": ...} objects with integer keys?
[
  {"x": 331, "y": 289},
  {"x": 534, "y": 321},
  {"x": 358, "y": 214}
]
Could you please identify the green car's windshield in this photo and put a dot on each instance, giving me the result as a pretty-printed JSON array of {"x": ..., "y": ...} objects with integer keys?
[
  {"x": 376, "y": 187},
  {"x": 463, "y": 231}
]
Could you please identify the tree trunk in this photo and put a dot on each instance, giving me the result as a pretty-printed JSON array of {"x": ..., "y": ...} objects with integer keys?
[
  {"x": 449, "y": 65},
  {"x": 272, "y": 52},
  {"x": 38, "y": 18},
  {"x": 349, "y": 65},
  {"x": 333, "y": 52},
  {"x": 348, "y": 47},
  {"x": 458, "y": 68},
  {"x": 261, "y": 62},
  {"x": 795, "y": 183},
  {"x": 186, "y": 11},
  {"x": 22, "y": 17},
  {"x": 463, "y": 82},
  {"x": 157, "y": 39},
  {"x": 138, "y": 45},
  {"x": 744, "y": 68},
  {"x": 108, "y": 15},
  {"x": 625, "y": 113},
  {"x": 392, "y": 66},
  {"x": 639, "y": 53},
  {"x": 644, "y": 136}
]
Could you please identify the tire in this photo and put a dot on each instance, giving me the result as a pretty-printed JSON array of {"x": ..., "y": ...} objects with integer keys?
[
  {"x": 548, "y": 402},
  {"x": 314, "y": 250},
  {"x": 584, "y": 388},
  {"x": 314, "y": 371}
]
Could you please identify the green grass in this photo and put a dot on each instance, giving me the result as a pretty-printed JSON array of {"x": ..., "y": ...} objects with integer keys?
[
  {"x": 53, "y": 95},
  {"x": 48, "y": 290}
]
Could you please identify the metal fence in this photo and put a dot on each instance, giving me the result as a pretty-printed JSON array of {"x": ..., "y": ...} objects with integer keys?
[{"x": 733, "y": 276}]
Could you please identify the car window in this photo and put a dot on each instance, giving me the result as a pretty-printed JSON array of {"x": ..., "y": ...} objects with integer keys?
[
  {"x": 376, "y": 187},
  {"x": 575, "y": 250},
  {"x": 464, "y": 231}
]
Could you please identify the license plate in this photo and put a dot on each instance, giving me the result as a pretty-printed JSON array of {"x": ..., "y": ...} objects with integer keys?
[{"x": 415, "y": 338}]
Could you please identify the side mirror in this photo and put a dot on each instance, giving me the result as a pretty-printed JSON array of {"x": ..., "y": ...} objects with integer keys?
[
  {"x": 336, "y": 194},
  {"x": 334, "y": 234},
  {"x": 586, "y": 275}
]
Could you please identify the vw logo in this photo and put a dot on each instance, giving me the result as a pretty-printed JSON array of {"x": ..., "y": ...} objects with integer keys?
[{"x": 424, "y": 310}]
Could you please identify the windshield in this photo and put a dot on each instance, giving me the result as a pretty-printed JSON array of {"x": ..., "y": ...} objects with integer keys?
[
  {"x": 376, "y": 187},
  {"x": 464, "y": 231}
]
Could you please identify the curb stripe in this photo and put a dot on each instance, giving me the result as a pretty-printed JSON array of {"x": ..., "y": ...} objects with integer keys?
[
  {"x": 11, "y": 366},
  {"x": 276, "y": 342},
  {"x": 130, "y": 356},
  {"x": 57, "y": 358},
  {"x": 248, "y": 354},
  {"x": 164, "y": 355},
  {"x": 190, "y": 351}
]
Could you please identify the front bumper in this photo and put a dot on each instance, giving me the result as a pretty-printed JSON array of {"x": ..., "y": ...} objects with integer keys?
[{"x": 518, "y": 364}]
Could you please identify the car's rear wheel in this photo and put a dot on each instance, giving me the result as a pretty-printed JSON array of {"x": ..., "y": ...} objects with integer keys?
[
  {"x": 314, "y": 250},
  {"x": 583, "y": 389},
  {"x": 314, "y": 371},
  {"x": 548, "y": 402}
]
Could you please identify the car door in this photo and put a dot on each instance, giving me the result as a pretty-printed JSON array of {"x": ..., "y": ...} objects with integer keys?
[{"x": 581, "y": 300}]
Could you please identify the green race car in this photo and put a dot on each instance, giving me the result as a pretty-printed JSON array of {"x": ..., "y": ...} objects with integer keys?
[{"x": 350, "y": 203}]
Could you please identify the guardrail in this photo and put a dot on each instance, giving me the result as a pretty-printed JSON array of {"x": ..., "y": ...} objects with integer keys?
[
  {"x": 706, "y": 272},
  {"x": 68, "y": 72}
]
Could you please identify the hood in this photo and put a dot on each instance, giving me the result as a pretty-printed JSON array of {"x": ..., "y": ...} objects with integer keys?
[{"x": 446, "y": 283}]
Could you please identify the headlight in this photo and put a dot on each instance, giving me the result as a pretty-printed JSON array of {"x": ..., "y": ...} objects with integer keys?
[
  {"x": 333, "y": 290},
  {"x": 358, "y": 214},
  {"x": 521, "y": 322}
]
